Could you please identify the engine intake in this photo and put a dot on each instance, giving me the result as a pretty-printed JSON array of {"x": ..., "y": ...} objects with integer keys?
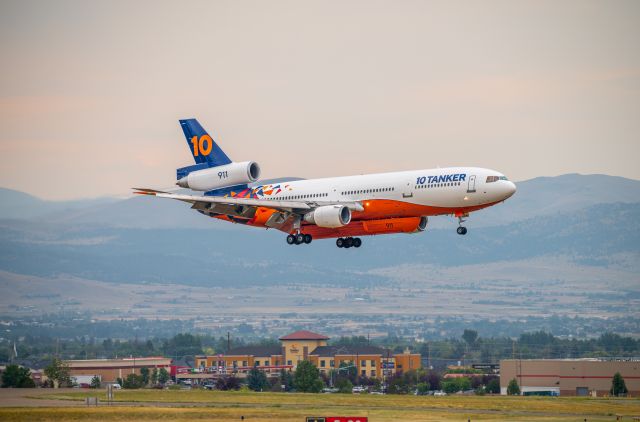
[
  {"x": 329, "y": 216},
  {"x": 221, "y": 176}
]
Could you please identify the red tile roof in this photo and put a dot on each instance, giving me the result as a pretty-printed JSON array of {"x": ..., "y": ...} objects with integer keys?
[{"x": 304, "y": 335}]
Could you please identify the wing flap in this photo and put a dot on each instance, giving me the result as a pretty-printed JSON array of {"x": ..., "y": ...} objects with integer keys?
[
  {"x": 200, "y": 202},
  {"x": 209, "y": 202}
]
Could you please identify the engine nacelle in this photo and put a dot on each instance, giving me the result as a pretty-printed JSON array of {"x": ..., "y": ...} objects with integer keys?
[
  {"x": 329, "y": 216},
  {"x": 221, "y": 176},
  {"x": 422, "y": 225}
]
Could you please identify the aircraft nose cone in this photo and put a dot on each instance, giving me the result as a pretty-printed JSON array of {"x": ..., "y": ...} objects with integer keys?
[{"x": 510, "y": 189}]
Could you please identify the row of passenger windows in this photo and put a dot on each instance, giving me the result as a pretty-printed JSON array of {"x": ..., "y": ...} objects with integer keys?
[
  {"x": 437, "y": 185},
  {"x": 308, "y": 196},
  {"x": 358, "y": 192}
]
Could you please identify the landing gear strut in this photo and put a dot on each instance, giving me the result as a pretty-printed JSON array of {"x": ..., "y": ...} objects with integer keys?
[
  {"x": 348, "y": 242},
  {"x": 461, "y": 229},
  {"x": 299, "y": 239}
]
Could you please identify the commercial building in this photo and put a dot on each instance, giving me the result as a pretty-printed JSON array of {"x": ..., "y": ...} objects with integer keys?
[
  {"x": 569, "y": 377},
  {"x": 370, "y": 361},
  {"x": 111, "y": 369}
]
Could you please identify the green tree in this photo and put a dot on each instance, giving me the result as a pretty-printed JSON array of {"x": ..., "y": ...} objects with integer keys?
[
  {"x": 493, "y": 386},
  {"x": 344, "y": 385},
  {"x": 58, "y": 372},
  {"x": 453, "y": 385},
  {"x": 470, "y": 336},
  {"x": 618, "y": 386},
  {"x": 286, "y": 380},
  {"x": 422, "y": 388},
  {"x": 17, "y": 376},
  {"x": 257, "y": 380},
  {"x": 397, "y": 384},
  {"x": 154, "y": 376},
  {"x": 133, "y": 381},
  {"x": 95, "y": 382},
  {"x": 513, "y": 389},
  {"x": 144, "y": 373},
  {"x": 163, "y": 376},
  {"x": 228, "y": 383},
  {"x": 183, "y": 345},
  {"x": 307, "y": 378},
  {"x": 464, "y": 383}
]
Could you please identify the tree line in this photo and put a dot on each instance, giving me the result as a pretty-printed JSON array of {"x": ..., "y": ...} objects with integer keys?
[{"x": 468, "y": 348}]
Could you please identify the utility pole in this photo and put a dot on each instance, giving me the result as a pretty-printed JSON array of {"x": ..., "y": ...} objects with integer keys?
[
  {"x": 228, "y": 341},
  {"x": 357, "y": 368},
  {"x": 429, "y": 355}
]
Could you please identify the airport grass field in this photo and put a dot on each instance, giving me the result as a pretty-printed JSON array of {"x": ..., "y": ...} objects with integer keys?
[{"x": 262, "y": 407}]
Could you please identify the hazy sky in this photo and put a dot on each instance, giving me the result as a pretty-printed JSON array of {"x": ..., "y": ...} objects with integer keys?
[{"x": 90, "y": 92}]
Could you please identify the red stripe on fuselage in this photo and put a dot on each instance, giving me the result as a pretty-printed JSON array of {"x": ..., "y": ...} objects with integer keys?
[{"x": 375, "y": 209}]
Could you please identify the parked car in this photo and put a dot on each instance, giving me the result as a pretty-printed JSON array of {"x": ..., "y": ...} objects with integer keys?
[
  {"x": 439, "y": 393},
  {"x": 209, "y": 386},
  {"x": 330, "y": 390},
  {"x": 358, "y": 389}
]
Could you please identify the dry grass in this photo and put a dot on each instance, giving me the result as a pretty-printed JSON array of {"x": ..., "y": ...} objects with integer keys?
[
  {"x": 181, "y": 414},
  {"x": 262, "y": 407}
]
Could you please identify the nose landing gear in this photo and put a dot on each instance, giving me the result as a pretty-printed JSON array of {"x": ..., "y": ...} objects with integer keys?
[
  {"x": 461, "y": 230},
  {"x": 348, "y": 242}
]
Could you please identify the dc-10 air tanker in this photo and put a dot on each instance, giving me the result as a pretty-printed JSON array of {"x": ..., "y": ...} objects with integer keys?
[{"x": 343, "y": 208}]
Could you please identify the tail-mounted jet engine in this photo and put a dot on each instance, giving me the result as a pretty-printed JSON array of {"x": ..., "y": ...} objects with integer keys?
[{"x": 221, "y": 176}]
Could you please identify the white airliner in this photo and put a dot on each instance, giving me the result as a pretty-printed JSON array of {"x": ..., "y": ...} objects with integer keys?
[{"x": 335, "y": 207}]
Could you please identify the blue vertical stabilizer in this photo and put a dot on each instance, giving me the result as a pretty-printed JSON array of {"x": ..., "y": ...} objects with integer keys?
[{"x": 204, "y": 149}]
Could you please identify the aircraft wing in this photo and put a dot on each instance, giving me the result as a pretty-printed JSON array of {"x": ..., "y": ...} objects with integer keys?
[{"x": 210, "y": 202}]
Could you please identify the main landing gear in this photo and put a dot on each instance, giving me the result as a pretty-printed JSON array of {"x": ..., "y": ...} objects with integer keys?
[
  {"x": 299, "y": 239},
  {"x": 461, "y": 230},
  {"x": 348, "y": 242}
]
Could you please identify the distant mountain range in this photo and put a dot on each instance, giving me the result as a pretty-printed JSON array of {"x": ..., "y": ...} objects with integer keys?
[
  {"x": 19, "y": 205},
  {"x": 592, "y": 219},
  {"x": 542, "y": 196}
]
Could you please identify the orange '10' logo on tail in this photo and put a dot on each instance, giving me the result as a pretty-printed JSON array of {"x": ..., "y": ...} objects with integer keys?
[{"x": 202, "y": 146}]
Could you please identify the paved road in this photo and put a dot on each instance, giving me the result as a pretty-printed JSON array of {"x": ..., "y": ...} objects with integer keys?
[{"x": 28, "y": 397}]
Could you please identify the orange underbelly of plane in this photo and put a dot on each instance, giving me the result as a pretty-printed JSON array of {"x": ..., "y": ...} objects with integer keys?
[
  {"x": 365, "y": 228},
  {"x": 380, "y": 216}
]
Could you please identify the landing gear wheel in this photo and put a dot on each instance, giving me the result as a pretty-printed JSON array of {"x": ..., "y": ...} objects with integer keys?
[
  {"x": 348, "y": 242},
  {"x": 308, "y": 238},
  {"x": 291, "y": 239},
  {"x": 340, "y": 242},
  {"x": 357, "y": 242},
  {"x": 461, "y": 229},
  {"x": 299, "y": 239}
]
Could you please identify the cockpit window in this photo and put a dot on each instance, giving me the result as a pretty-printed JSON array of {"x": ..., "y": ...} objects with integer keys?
[{"x": 491, "y": 179}]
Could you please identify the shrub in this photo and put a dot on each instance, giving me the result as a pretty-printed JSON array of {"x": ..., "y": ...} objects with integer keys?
[{"x": 513, "y": 389}]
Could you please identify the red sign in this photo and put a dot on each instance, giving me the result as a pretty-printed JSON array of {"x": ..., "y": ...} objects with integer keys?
[{"x": 347, "y": 419}]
